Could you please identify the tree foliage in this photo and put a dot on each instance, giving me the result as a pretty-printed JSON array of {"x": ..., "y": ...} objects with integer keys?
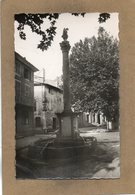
[
  {"x": 94, "y": 72},
  {"x": 35, "y": 21}
]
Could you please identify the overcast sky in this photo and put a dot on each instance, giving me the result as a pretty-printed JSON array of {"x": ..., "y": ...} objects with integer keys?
[{"x": 79, "y": 28}]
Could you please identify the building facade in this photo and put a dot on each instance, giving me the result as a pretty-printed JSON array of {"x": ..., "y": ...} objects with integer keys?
[
  {"x": 48, "y": 102},
  {"x": 94, "y": 118},
  {"x": 97, "y": 119},
  {"x": 24, "y": 96}
]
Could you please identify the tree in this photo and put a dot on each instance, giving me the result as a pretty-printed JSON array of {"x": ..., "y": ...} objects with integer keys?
[
  {"x": 94, "y": 72},
  {"x": 35, "y": 21}
]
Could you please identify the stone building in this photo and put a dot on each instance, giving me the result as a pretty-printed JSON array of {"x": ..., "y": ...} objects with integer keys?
[
  {"x": 87, "y": 118},
  {"x": 24, "y": 96},
  {"x": 97, "y": 119},
  {"x": 48, "y": 102}
]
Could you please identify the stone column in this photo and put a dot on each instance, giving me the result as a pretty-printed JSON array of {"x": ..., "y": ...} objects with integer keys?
[
  {"x": 66, "y": 118},
  {"x": 65, "y": 47}
]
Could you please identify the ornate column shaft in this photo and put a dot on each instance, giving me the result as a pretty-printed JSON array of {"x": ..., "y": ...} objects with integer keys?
[{"x": 65, "y": 47}]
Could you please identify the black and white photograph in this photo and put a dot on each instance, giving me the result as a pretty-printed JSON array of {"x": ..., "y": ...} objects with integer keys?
[{"x": 67, "y": 95}]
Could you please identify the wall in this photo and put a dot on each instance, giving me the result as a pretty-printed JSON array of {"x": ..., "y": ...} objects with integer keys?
[
  {"x": 54, "y": 104},
  {"x": 26, "y": 86},
  {"x": 24, "y": 98},
  {"x": 24, "y": 120}
]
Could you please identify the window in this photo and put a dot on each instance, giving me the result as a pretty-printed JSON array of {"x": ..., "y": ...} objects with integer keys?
[
  {"x": 49, "y": 90},
  {"x": 52, "y": 92},
  {"x": 27, "y": 74},
  {"x": 17, "y": 88},
  {"x": 35, "y": 105},
  {"x": 18, "y": 68},
  {"x": 27, "y": 91},
  {"x": 54, "y": 123}
]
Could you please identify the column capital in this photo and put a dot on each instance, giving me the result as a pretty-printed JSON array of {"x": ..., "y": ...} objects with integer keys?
[{"x": 65, "y": 46}]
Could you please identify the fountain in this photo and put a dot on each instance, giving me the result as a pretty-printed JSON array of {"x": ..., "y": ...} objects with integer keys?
[{"x": 68, "y": 144}]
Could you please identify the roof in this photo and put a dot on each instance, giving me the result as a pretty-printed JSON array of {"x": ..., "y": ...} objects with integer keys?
[
  {"x": 48, "y": 85},
  {"x": 24, "y": 61}
]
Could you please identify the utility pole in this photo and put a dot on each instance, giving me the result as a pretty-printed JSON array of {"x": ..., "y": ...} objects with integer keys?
[
  {"x": 43, "y": 75},
  {"x": 44, "y": 104}
]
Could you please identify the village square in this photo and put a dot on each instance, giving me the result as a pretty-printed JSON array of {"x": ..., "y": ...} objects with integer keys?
[{"x": 68, "y": 127}]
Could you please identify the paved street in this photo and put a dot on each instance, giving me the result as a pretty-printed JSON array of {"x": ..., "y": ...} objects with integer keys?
[{"x": 101, "y": 135}]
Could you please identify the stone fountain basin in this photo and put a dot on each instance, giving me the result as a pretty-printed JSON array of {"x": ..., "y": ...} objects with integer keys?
[
  {"x": 71, "y": 148},
  {"x": 62, "y": 148}
]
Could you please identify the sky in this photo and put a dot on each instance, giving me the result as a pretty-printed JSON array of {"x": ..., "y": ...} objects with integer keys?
[{"x": 79, "y": 28}]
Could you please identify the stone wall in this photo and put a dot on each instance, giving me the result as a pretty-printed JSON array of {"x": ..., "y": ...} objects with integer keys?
[{"x": 54, "y": 104}]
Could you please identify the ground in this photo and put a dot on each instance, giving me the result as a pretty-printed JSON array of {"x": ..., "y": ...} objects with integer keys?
[{"x": 101, "y": 163}]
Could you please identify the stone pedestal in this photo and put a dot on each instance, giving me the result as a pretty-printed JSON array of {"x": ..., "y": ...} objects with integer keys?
[{"x": 68, "y": 125}]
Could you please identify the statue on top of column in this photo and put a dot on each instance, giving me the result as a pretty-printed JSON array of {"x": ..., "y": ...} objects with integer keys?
[{"x": 65, "y": 35}]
